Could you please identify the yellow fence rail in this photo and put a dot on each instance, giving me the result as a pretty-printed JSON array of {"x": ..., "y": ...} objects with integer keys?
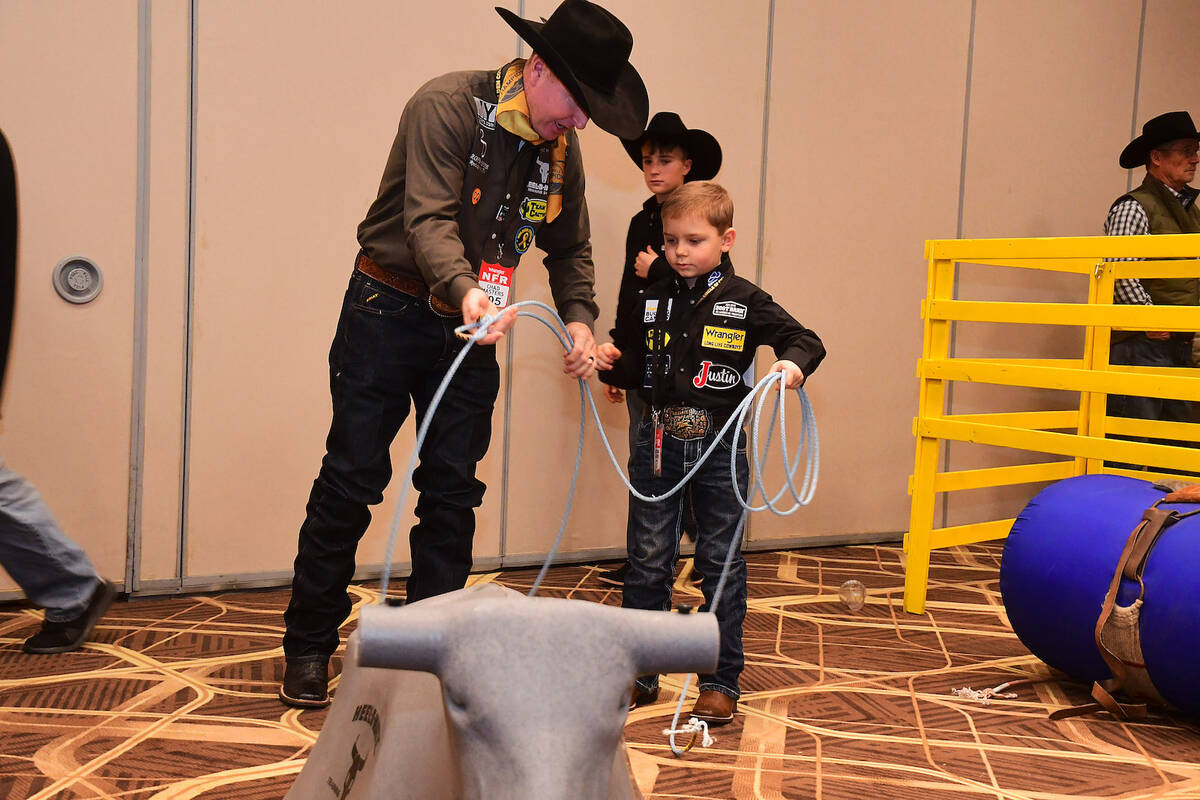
[{"x": 1079, "y": 435}]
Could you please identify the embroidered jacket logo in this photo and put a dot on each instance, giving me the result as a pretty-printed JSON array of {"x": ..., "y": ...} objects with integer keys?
[
  {"x": 533, "y": 209},
  {"x": 723, "y": 338},
  {"x": 716, "y": 376}
]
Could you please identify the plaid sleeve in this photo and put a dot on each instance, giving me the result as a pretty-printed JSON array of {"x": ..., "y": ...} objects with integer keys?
[{"x": 1128, "y": 219}]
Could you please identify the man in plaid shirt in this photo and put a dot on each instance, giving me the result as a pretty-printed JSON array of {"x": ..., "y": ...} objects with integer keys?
[{"x": 1163, "y": 204}]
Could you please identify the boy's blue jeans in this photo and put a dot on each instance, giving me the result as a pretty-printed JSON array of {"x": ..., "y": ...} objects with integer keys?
[{"x": 652, "y": 538}]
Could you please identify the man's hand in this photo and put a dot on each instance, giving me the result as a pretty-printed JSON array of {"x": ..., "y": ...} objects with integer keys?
[
  {"x": 606, "y": 355},
  {"x": 614, "y": 394},
  {"x": 641, "y": 265},
  {"x": 476, "y": 305},
  {"x": 580, "y": 361},
  {"x": 793, "y": 378}
]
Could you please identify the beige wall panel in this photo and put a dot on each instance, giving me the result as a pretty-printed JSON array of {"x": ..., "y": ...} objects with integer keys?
[
  {"x": 1168, "y": 64},
  {"x": 1047, "y": 121},
  {"x": 863, "y": 166},
  {"x": 70, "y": 114},
  {"x": 166, "y": 291},
  {"x": 298, "y": 104},
  {"x": 724, "y": 97}
]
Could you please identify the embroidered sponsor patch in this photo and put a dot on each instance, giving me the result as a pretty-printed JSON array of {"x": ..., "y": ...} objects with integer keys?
[
  {"x": 533, "y": 210},
  {"x": 475, "y": 195},
  {"x": 651, "y": 363},
  {"x": 716, "y": 376},
  {"x": 723, "y": 338},
  {"x": 479, "y": 156},
  {"x": 485, "y": 112},
  {"x": 730, "y": 309},
  {"x": 523, "y": 239},
  {"x": 713, "y": 278},
  {"x": 651, "y": 312},
  {"x": 652, "y": 337},
  {"x": 502, "y": 212}
]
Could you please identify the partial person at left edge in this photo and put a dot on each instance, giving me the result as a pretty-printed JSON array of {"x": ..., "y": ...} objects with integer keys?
[
  {"x": 52, "y": 570},
  {"x": 483, "y": 164}
]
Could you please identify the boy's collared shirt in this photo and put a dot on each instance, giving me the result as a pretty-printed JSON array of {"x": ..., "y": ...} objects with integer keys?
[{"x": 695, "y": 345}]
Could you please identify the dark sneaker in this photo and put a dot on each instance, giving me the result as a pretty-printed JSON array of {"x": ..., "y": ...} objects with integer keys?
[
  {"x": 640, "y": 698},
  {"x": 614, "y": 577},
  {"x": 305, "y": 684},
  {"x": 63, "y": 637}
]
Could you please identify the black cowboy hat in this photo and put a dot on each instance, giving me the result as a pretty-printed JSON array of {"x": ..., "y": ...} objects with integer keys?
[
  {"x": 701, "y": 146},
  {"x": 1160, "y": 130},
  {"x": 588, "y": 49}
]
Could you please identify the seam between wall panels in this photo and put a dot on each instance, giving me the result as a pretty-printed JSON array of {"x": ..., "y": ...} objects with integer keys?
[
  {"x": 509, "y": 351},
  {"x": 1137, "y": 89},
  {"x": 748, "y": 527},
  {"x": 962, "y": 193},
  {"x": 137, "y": 421},
  {"x": 189, "y": 300}
]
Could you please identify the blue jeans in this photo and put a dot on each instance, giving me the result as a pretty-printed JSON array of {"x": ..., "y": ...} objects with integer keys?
[
  {"x": 652, "y": 539},
  {"x": 389, "y": 354},
  {"x": 1139, "y": 350},
  {"x": 52, "y": 571}
]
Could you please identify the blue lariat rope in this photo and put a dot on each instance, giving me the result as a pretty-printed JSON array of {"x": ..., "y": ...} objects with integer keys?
[{"x": 807, "y": 453}]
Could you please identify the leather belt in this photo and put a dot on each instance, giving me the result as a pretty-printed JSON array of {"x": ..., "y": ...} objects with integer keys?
[
  {"x": 410, "y": 286},
  {"x": 685, "y": 422}
]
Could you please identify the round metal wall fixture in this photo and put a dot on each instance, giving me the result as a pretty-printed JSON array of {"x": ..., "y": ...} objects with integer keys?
[{"x": 77, "y": 279}]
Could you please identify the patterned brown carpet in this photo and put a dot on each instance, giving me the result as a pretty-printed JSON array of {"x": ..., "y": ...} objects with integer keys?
[{"x": 176, "y": 699}]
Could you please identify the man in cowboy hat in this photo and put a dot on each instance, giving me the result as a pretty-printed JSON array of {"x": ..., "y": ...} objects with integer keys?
[
  {"x": 483, "y": 162},
  {"x": 1164, "y": 203}
]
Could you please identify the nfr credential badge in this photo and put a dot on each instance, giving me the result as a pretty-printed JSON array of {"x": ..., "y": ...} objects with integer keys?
[{"x": 497, "y": 282}]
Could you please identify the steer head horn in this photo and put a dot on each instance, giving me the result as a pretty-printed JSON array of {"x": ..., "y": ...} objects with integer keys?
[
  {"x": 411, "y": 637},
  {"x": 661, "y": 642}
]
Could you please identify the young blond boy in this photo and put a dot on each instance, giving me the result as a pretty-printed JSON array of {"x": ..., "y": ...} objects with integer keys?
[
  {"x": 688, "y": 350},
  {"x": 669, "y": 154}
]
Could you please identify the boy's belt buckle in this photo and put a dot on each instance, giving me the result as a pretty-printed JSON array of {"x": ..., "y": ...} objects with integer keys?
[{"x": 684, "y": 422}]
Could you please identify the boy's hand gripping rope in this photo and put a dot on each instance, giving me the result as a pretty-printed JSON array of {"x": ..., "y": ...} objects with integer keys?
[{"x": 808, "y": 446}]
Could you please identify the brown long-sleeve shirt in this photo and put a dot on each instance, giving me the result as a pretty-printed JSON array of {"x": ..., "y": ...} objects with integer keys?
[{"x": 459, "y": 192}]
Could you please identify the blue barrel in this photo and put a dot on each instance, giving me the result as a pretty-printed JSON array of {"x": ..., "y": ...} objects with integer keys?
[{"x": 1059, "y": 559}]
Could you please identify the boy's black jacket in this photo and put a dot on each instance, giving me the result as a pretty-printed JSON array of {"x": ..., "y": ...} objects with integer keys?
[{"x": 692, "y": 346}]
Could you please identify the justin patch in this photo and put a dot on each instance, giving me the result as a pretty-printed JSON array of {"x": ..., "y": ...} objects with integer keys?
[
  {"x": 730, "y": 309},
  {"x": 716, "y": 376},
  {"x": 723, "y": 339}
]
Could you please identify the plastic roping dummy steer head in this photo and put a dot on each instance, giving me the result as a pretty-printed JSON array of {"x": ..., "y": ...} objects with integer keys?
[{"x": 533, "y": 697}]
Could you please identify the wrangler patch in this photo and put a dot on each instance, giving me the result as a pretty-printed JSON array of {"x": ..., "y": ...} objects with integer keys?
[{"x": 723, "y": 338}]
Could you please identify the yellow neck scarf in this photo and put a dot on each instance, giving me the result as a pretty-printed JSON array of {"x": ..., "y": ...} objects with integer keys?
[{"x": 512, "y": 113}]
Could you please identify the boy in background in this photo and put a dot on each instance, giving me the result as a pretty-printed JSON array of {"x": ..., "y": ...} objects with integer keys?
[
  {"x": 687, "y": 349},
  {"x": 669, "y": 154}
]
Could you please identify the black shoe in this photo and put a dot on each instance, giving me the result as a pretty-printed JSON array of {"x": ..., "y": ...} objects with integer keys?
[
  {"x": 63, "y": 637},
  {"x": 305, "y": 684},
  {"x": 642, "y": 698},
  {"x": 615, "y": 577}
]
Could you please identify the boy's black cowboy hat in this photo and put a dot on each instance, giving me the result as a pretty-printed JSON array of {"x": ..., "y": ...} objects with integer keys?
[
  {"x": 1160, "y": 130},
  {"x": 701, "y": 146},
  {"x": 588, "y": 49}
]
